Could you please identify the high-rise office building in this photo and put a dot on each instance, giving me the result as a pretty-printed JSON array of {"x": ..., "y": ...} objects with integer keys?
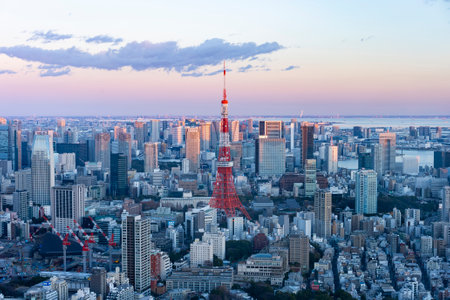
[
  {"x": 441, "y": 159},
  {"x": 61, "y": 128},
  {"x": 103, "y": 149},
  {"x": 445, "y": 215},
  {"x": 193, "y": 148},
  {"x": 124, "y": 146},
  {"x": 119, "y": 175},
  {"x": 299, "y": 251},
  {"x": 23, "y": 180},
  {"x": 387, "y": 140},
  {"x": 98, "y": 282},
  {"x": 270, "y": 153},
  {"x": 235, "y": 227},
  {"x": 270, "y": 156},
  {"x": 67, "y": 205},
  {"x": 331, "y": 159},
  {"x": 140, "y": 133},
  {"x": 205, "y": 136},
  {"x": 322, "y": 212},
  {"x": 366, "y": 192},
  {"x": 150, "y": 157},
  {"x": 21, "y": 204},
  {"x": 307, "y": 142},
  {"x": 154, "y": 131},
  {"x": 201, "y": 253},
  {"x": 136, "y": 252},
  {"x": 42, "y": 169},
  {"x": 235, "y": 131},
  {"x": 271, "y": 129},
  {"x": 310, "y": 177},
  {"x": 4, "y": 141},
  {"x": 15, "y": 144},
  {"x": 177, "y": 133}
]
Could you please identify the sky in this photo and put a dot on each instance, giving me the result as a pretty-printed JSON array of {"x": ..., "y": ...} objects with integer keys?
[{"x": 321, "y": 57}]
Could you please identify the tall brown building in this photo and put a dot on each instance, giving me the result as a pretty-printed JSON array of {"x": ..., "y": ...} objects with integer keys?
[
  {"x": 299, "y": 251},
  {"x": 307, "y": 141}
]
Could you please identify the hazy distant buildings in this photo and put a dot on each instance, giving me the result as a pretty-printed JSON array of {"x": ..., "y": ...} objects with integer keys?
[
  {"x": 366, "y": 192},
  {"x": 42, "y": 169}
]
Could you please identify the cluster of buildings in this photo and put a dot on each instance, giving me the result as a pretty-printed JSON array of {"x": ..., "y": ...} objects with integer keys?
[{"x": 129, "y": 201}]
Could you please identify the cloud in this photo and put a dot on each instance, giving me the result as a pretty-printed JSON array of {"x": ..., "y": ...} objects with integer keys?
[
  {"x": 365, "y": 39},
  {"x": 245, "y": 69},
  {"x": 7, "y": 72},
  {"x": 53, "y": 70},
  {"x": 102, "y": 39},
  {"x": 291, "y": 68},
  {"x": 49, "y": 36},
  {"x": 199, "y": 74},
  {"x": 146, "y": 55}
]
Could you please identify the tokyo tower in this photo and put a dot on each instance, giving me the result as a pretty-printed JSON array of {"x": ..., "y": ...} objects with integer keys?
[{"x": 224, "y": 194}]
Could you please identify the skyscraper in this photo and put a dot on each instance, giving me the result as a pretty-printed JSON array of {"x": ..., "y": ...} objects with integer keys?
[
  {"x": 307, "y": 141},
  {"x": 271, "y": 129},
  {"x": 322, "y": 212},
  {"x": 154, "y": 131},
  {"x": 332, "y": 159},
  {"x": 366, "y": 192},
  {"x": 177, "y": 133},
  {"x": 4, "y": 142},
  {"x": 119, "y": 175},
  {"x": 387, "y": 142},
  {"x": 446, "y": 204},
  {"x": 42, "y": 169},
  {"x": 21, "y": 204},
  {"x": 205, "y": 136},
  {"x": 140, "y": 131},
  {"x": 235, "y": 131},
  {"x": 193, "y": 148},
  {"x": 125, "y": 146},
  {"x": 15, "y": 144},
  {"x": 310, "y": 177},
  {"x": 61, "y": 128},
  {"x": 103, "y": 149},
  {"x": 150, "y": 157},
  {"x": 67, "y": 205},
  {"x": 270, "y": 156},
  {"x": 136, "y": 250}
]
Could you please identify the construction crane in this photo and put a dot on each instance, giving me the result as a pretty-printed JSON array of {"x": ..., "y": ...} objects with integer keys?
[
  {"x": 65, "y": 241},
  {"x": 90, "y": 240},
  {"x": 111, "y": 242},
  {"x": 84, "y": 247}
]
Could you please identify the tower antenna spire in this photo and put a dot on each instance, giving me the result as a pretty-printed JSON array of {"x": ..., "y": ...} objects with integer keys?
[{"x": 224, "y": 82}]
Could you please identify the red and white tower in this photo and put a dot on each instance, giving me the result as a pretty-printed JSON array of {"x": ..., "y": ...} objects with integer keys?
[{"x": 224, "y": 194}]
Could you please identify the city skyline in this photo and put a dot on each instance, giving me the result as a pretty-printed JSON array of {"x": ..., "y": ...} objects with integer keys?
[{"x": 152, "y": 59}]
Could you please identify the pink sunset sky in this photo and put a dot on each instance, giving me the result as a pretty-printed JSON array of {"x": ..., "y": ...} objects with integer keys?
[{"x": 321, "y": 57}]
